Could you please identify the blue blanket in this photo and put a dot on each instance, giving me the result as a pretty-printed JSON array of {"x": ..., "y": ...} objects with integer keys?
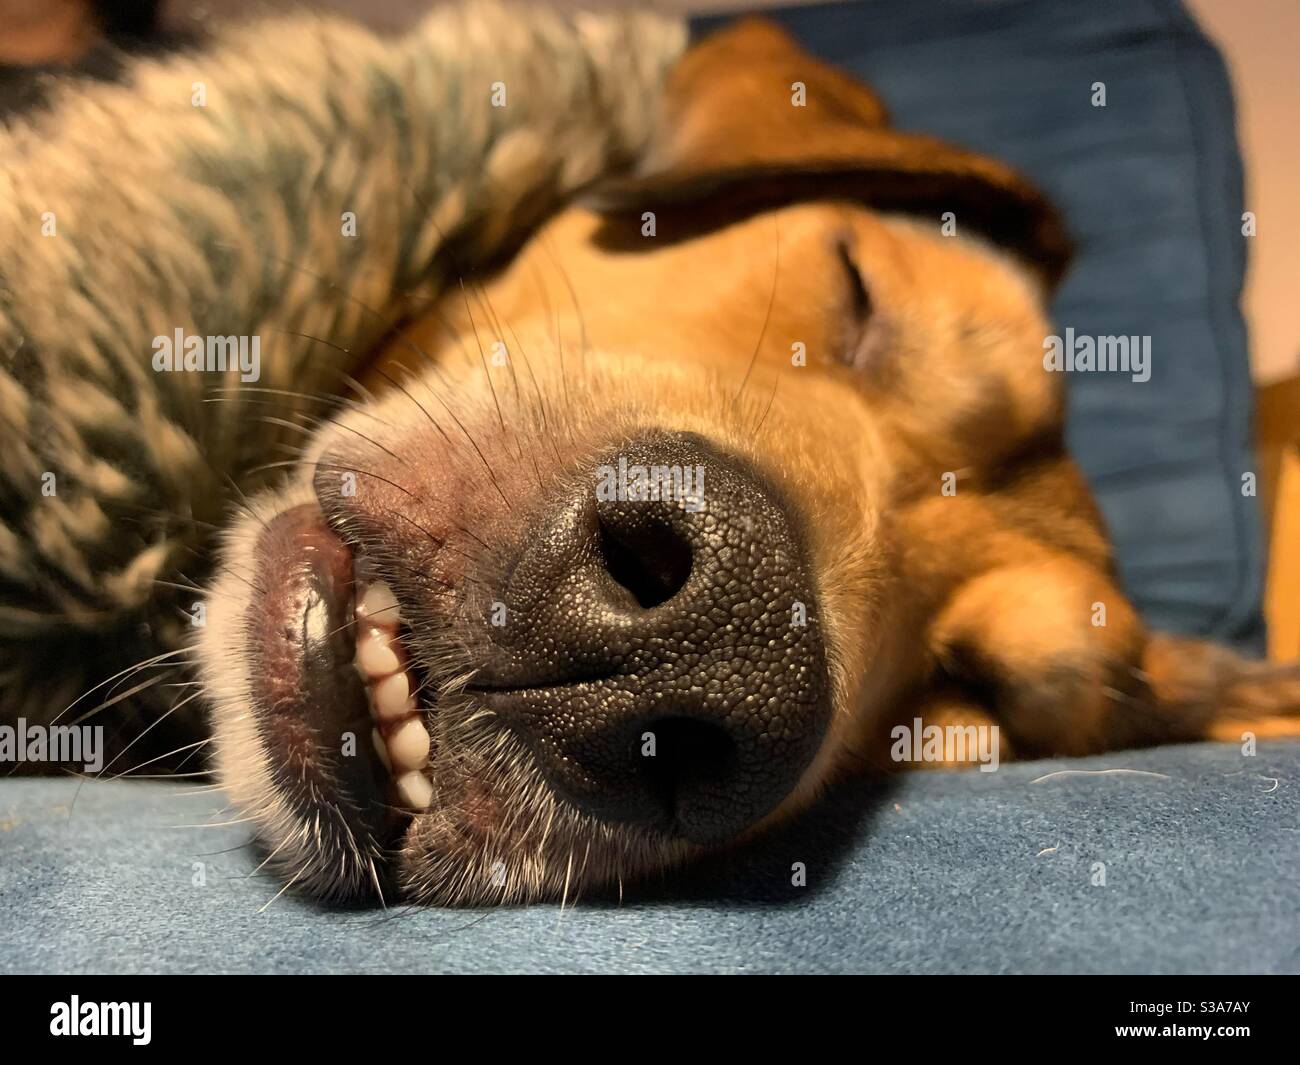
[{"x": 1183, "y": 860}]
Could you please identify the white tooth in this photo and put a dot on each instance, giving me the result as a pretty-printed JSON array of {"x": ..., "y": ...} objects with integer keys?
[
  {"x": 415, "y": 790},
  {"x": 381, "y": 748},
  {"x": 408, "y": 744},
  {"x": 391, "y": 697},
  {"x": 379, "y": 605},
  {"x": 375, "y": 654}
]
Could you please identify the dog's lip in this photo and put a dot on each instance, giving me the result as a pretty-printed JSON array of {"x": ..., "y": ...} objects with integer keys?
[{"x": 307, "y": 696}]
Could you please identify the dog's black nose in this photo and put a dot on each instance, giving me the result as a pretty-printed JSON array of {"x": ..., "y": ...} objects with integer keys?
[{"x": 657, "y": 645}]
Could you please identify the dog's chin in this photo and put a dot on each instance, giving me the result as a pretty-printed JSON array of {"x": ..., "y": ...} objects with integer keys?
[{"x": 299, "y": 742}]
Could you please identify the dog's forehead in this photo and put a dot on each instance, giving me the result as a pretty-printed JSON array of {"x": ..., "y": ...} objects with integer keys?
[{"x": 669, "y": 272}]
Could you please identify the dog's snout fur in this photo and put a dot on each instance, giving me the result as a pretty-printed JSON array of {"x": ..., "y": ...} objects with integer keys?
[{"x": 662, "y": 659}]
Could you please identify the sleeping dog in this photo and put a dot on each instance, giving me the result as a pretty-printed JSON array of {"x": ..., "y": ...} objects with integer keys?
[{"x": 643, "y": 439}]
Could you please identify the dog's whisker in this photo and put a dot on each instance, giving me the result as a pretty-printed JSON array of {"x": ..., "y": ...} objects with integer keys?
[
  {"x": 144, "y": 685},
  {"x": 287, "y": 886},
  {"x": 485, "y": 301},
  {"x": 149, "y": 728},
  {"x": 129, "y": 670},
  {"x": 356, "y": 432},
  {"x": 776, "y": 380},
  {"x": 171, "y": 776},
  {"x": 585, "y": 342},
  {"x": 214, "y": 824},
  {"x": 197, "y": 744},
  {"x": 419, "y": 406},
  {"x": 487, "y": 373},
  {"x": 343, "y": 468},
  {"x": 477, "y": 450},
  {"x": 767, "y": 315}
]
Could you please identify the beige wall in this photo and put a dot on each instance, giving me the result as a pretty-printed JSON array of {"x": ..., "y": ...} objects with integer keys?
[{"x": 1260, "y": 39}]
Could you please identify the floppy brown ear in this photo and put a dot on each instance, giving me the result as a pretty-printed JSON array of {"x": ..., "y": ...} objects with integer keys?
[{"x": 733, "y": 132}]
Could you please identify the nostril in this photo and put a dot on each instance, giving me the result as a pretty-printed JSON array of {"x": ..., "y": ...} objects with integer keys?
[
  {"x": 689, "y": 757},
  {"x": 651, "y": 561}
]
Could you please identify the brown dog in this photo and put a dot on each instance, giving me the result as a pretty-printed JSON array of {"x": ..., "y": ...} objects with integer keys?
[{"x": 862, "y": 515}]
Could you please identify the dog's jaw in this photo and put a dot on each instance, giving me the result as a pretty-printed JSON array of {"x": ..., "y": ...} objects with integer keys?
[
  {"x": 225, "y": 670},
  {"x": 313, "y": 841},
  {"x": 487, "y": 830}
]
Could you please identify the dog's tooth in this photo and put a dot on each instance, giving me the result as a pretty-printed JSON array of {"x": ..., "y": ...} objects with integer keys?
[
  {"x": 381, "y": 748},
  {"x": 408, "y": 744},
  {"x": 391, "y": 697},
  {"x": 414, "y": 789},
  {"x": 379, "y": 606},
  {"x": 376, "y": 655}
]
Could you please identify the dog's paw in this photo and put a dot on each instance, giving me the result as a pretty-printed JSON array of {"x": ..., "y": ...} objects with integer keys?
[{"x": 1264, "y": 699}]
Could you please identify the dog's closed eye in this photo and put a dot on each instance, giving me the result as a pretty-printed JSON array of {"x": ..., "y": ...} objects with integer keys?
[
  {"x": 860, "y": 298},
  {"x": 862, "y": 340}
]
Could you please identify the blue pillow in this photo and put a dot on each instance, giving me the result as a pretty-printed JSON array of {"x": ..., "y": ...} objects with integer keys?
[{"x": 1150, "y": 185}]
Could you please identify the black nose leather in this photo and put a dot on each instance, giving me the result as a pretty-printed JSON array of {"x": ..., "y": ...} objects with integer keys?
[{"x": 661, "y": 656}]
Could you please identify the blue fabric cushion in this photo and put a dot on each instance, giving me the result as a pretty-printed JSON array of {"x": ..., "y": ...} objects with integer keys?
[
  {"x": 1150, "y": 186},
  {"x": 928, "y": 872}
]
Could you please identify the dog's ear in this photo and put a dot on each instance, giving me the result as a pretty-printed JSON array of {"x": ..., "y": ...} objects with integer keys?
[{"x": 750, "y": 121}]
